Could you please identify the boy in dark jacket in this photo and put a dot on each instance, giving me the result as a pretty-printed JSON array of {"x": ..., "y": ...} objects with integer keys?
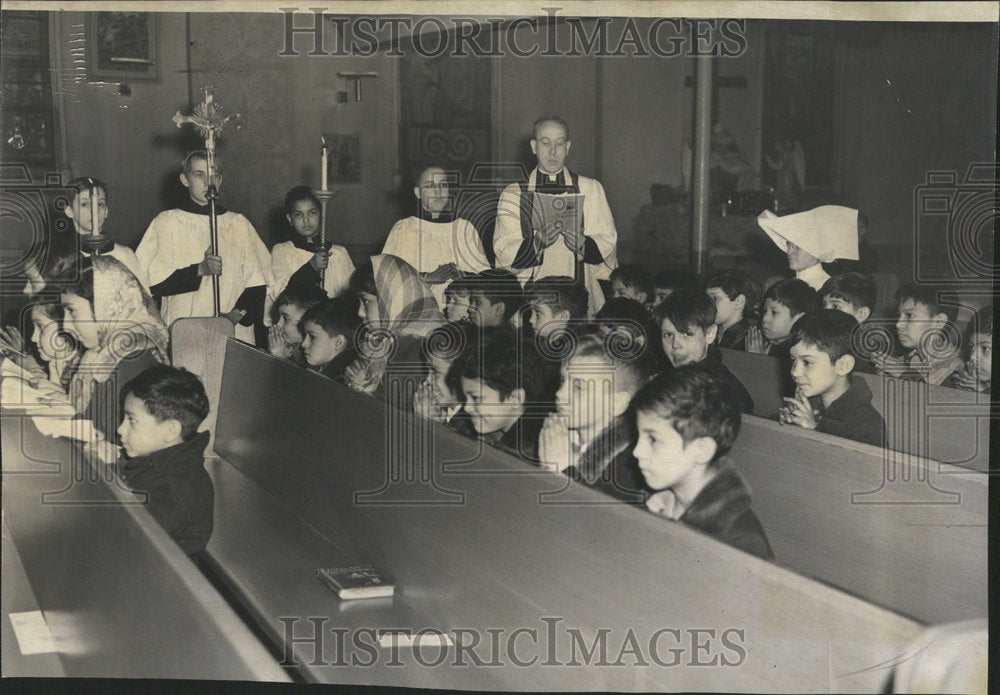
[
  {"x": 501, "y": 379},
  {"x": 854, "y": 294},
  {"x": 328, "y": 331},
  {"x": 826, "y": 398},
  {"x": 165, "y": 454},
  {"x": 687, "y": 420},
  {"x": 735, "y": 296},
  {"x": 688, "y": 329},
  {"x": 591, "y": 434}
]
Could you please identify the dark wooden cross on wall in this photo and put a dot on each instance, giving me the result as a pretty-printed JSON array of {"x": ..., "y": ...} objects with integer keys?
[{"x": 719, "y": 82}]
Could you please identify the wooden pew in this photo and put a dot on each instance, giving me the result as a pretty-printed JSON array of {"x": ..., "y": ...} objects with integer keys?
[
  {"x": 944, "y": 424},
  {"x": 120, "y": 599},
  {"x": 903, "y": 532},
  {"x": 475, "y": 539}
]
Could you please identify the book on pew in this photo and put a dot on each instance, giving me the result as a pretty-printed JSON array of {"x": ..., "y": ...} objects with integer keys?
[{"x": 360, "y": 581}]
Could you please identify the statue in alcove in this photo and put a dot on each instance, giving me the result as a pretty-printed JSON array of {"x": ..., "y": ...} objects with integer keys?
[{"x": 788, "y": 161}]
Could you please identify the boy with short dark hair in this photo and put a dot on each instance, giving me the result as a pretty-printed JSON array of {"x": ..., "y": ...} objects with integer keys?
[
  {"x": 688, "y": 328},
  {"x": 555, "y": 303},
  {"x": 456, "y": 299},
  {"x": 924, "y": 326},
  {"x": 734, "y": 295},
  {"x": 977, "y": 374},
  {"x": 826, "y": 398},
  {"x": 299, "y": 261},
  {"x": 590, "y": 436},
  {"x": 284, "y": 339},
  {"x": 785, "y": 302},
  {"x": 687, "y": 420},
  {"x": 854, "y": 294},
  {"x": 633, "y": 282},
  {"x": 176, "y": 253},
  {"x": 165, "y": 454},
  {"x": 328, "y": 329},
  {"x": 501, "y": 381},
  {"x": 495, "y": 296},
  {"x": 86, "y": 191}
]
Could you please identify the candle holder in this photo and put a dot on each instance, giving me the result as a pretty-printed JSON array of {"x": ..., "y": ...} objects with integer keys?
[
  {"x": 322, "y": 244},
  {"x": 95, "y": 242}
]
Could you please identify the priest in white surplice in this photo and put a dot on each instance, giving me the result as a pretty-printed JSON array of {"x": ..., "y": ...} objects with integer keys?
[
  {"x": 175, "y": 253},
  {"x": 527, "y": 251},
  {"x": 434, "y": 241}
]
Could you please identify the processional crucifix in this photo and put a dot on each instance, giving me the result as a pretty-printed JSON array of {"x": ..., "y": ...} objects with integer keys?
[{"x": 208, "y": 118}]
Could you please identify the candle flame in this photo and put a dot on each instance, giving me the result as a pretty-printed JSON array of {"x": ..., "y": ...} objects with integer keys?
[{"x": 323, "y": 140}]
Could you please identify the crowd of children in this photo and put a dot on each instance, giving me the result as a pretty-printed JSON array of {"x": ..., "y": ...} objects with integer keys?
[{"x": 618, "y": 382}]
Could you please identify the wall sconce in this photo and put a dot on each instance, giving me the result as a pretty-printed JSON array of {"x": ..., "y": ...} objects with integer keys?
[{"x": 356, "y": 78}]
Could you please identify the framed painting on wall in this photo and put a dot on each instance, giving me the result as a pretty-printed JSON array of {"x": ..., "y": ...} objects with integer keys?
[
  {"x": 344, "y": 165},
  {"x": 123, "y": 46}
]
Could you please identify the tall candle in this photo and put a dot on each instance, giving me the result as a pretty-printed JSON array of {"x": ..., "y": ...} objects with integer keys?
[
  {"x": 323, "y": 164},
  {"x": 93, "y": 208}
]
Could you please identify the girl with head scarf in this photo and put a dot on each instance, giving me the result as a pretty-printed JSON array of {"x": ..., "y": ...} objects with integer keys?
[
  {"x": 398, "y": 310},
  {"x": 120, "y": 333}
]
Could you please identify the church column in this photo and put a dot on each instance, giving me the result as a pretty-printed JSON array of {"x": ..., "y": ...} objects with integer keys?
[{"x": 702, "y": 140}]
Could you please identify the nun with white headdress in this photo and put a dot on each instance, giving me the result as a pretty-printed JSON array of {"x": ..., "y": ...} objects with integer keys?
[{"x": 816, "y": 236}]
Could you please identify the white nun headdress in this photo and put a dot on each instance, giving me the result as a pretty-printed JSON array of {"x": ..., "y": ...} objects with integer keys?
[{"x": 828, "y": 232}]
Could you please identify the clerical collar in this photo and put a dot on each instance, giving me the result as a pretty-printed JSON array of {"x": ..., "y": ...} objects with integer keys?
[
  {"x": 445, "y": 216},
  {"x": 188, "y": 205},
  {"x": 551, "y": 178},
  {"x": 304, "y": 243},
  {"x": 107, "y": 248}
]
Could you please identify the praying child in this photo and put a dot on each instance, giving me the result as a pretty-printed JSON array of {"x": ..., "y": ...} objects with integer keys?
[
  {"x": 590, "y": 436},
  {"x": 827, "y": 399},
  {"x": 284, "y": 336},
  {"x": 925, "y": 329}
]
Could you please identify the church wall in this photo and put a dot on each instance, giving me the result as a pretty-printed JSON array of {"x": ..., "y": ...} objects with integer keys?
[
  {"x": 128, "y": 142},
  {"x": 289, "y": 101},
  {"x": 547, "y": 85},
  {"x": 915, "y": 99}
]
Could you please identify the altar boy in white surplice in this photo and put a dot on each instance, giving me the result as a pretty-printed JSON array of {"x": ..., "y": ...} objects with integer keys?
[
  {"x": 297, "y": 262},
  {"x": 435, "y": 242},
  {"x": 532, "y": 252},
  {"x": 175, "y": 251}
]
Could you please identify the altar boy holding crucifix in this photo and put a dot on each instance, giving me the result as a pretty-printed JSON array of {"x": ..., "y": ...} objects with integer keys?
[
  {"x": 175, "y": 251},
  {"x": 532, "y": 247}
]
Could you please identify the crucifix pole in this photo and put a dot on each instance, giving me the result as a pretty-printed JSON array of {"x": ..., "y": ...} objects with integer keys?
[
  {"x": 208, "y": 120},
  {"x": 702, "y": 160},
  {"x": 213, "y": 197}
]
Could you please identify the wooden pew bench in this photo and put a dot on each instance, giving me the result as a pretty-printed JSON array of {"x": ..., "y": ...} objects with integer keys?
[
  {"x": 903, "y": 532},
  {"x": 943, "y": 424},
  {"x": 478, "y": 541},
  {"x": 119, "y": 597}
]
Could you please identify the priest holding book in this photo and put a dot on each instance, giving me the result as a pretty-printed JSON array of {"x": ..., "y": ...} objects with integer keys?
[{"x": 557, "y": 222}]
